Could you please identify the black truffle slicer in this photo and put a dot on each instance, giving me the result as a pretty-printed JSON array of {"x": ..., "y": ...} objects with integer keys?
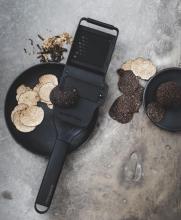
[{"x": 85, "y": 70}]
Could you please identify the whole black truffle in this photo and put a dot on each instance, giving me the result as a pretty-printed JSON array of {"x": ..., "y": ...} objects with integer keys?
[{"x": 64, "y": 98}]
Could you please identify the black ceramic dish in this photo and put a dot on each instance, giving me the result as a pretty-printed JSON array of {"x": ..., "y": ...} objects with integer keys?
[{"x": 172, "y": 118}]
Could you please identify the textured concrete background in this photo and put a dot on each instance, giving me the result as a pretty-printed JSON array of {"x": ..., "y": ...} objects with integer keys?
[{"x": 125, "y": 172}]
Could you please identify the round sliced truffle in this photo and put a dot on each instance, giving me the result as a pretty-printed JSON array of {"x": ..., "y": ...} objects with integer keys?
[
  {"x": 45, "y": 91},
  {"x": 143, "y": 68},
  {"x": 32, "y": 116},
  {"x": 48, "y": 78},
  {"x": 166, "y": 93},
  {"x": 18, "y": 108},
  {"x": 64, "y": 98},
  {"x": 128, "y": 83},
  {"x": 120, "y": 112},
  {"x": 19, "y": 125},
  {"x": 122, "y": 109},
  {"x": 29, "y": 98},
  {"x": 155, "y": 112},
  {"x": 21, "y": 89}
]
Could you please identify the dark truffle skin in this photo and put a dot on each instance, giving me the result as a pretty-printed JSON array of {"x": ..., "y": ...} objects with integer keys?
[
  {"x": 64, "y": 98},
  {"x": 134, "y": 103},
  {"x": 125, "y": 104},
  {"x": 155, "y": 112},
  {"x": 166, "y": 94},
  {"x": 139, "y": 93},
  {"x": 119, "y": 112},
  {"x": 123, "y": 108},
  {"x": 121, "y": 117},
  {"x": 137, "y": 98},
  {"x": 128, "y": 83},
  {"x": 177, "y": 99}
]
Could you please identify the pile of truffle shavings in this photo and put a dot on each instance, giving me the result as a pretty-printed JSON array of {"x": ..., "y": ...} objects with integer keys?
[{"x": 53, "y": 48}]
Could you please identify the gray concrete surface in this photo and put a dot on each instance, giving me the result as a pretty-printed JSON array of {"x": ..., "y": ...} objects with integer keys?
[{"x": 98, "y": 180}]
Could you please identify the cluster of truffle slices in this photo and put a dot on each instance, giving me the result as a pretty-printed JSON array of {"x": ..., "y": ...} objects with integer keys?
[
  {"x": 130, "y": 101},
  {"x": 168, "y": 95},
  {"x": 26, "y": 115}
]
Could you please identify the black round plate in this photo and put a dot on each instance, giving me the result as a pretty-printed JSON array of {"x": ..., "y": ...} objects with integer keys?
[
  {"x": 172, "y": 118},
  {"x": 42, "y": 139}
]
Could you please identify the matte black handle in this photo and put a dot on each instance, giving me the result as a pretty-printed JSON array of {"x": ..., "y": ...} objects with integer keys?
[
  {"x": 51, "y": 177},
  {"x": 100, "y": 23}
]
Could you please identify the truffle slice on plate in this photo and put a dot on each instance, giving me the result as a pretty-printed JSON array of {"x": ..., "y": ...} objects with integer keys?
[
  {"x": 166, "y": 93},
  {"x": 32, "y": 116},
  {"x": 177, "y": 99},
  {"x": 29, "y": 98},
  {"x": 155, "y": 112},
  {"x": 48, "y": 78},
  {"x": 44, "y": 92}
]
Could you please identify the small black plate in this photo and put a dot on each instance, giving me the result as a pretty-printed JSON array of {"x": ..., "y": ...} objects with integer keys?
[{"x": 172, "y": 119}]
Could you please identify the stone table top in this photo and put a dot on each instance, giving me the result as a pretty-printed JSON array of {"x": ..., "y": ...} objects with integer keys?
[{"x": 124, "y": 172}]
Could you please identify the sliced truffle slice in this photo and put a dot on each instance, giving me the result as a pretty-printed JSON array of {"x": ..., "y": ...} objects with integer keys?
[
  {"x": 177, "y": 99},
  {"x": 122, "y": 109},
  {"x": 119, "y": 114},
  {"x": 155, "y": 112},
  {"x": 64, "y": 98},
  {"x": 166, "y": 93},
  {"x": 121, "y": 104},
  {"x": 128, "y": 83},
  {"x": 143, "y": 68}
]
